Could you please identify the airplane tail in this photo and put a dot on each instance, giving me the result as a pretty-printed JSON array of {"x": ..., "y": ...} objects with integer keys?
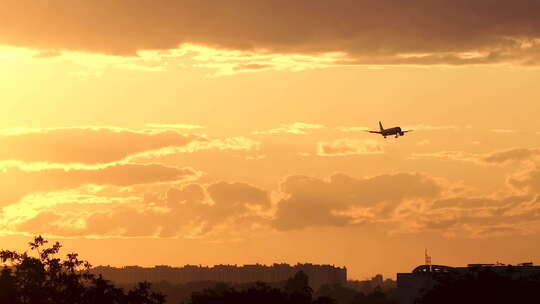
[{"x": 380, "y": 126}]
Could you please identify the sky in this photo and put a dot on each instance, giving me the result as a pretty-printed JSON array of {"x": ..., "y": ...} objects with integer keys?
[{"x": 233, "y": 132}]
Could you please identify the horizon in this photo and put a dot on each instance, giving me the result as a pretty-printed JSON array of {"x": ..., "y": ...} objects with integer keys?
[{"x": 204, "y": 133}]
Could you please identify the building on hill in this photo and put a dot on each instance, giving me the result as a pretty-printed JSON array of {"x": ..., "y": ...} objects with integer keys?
[
  {"x": 425, "y": 277},
  {"x": 318, "y": 274}
]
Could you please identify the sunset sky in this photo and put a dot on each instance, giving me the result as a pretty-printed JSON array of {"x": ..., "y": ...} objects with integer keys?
[{"x": 233, "y": 132}]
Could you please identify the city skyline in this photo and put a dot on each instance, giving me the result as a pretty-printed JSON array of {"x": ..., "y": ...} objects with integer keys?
[{"x": 319, "y": 275}]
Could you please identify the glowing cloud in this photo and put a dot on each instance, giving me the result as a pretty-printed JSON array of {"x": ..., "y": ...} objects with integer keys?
[
  {"x": 294, "y": 128},
  {"x": 86, "y": 145},
  {"x": 346, "y": 147}
]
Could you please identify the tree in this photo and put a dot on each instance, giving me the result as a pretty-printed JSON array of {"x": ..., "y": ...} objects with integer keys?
[
  {"x": 295, "y": 291},
  {"x": 299, "y": 289},
  {"x": 47, "y": 279},
  {"x": 260, "y": 293},
  {"x": 344, "y": 295}
]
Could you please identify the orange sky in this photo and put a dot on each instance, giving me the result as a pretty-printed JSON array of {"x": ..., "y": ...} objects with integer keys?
[{"x": 190, "y": 132}]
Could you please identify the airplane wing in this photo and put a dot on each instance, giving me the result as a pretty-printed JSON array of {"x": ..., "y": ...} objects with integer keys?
[
  {"x": 407, "y": 131},
  {"x": 376, "y": 132}
]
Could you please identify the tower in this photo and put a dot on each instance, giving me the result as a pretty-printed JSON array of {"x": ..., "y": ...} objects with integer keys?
[{"x": 427, "y": 260}]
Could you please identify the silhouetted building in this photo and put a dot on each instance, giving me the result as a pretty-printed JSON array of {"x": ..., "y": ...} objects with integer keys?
[
  {"x": 318, "y": 274},
  {"x": 425, "y": 277}
]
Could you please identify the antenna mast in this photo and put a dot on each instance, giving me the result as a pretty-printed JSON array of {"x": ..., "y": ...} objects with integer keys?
[{"x": 427, "y": 260}]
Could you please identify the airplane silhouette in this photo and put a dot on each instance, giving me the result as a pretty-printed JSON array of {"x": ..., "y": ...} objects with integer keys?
[{"x": 390, "y": 131}]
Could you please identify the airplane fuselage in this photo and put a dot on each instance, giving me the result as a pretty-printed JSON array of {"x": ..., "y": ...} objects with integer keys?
[
  {"x": 397, "y": 131},
  {"x": 392, "y": 131}
]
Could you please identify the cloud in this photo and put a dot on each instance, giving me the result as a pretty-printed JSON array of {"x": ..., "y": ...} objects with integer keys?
[
  {"x": 346, "y": 147},
  {"x": 97, "y": 146},
  {"x": 449, "y": 155},
  {"x": 86, "y": 145},
  {"x": 422, "y": 127},
  {"x": 192, "y": 210},
  {"x": 454, "y": 32},
  {"x": 294, "y": 128},
  {"x": 174, "y": 126},
  {"x": 16, "y": 183},
  {"x": 343, "y": 200},
  {"x": 252, "y": 66},
  {"x": 239, "y": 143},
  {"x": 508, "y": 212},
  {"x": 494, "y": 158},
  {"x": 479, "y": 217},
  {"x": 48, "y": 54},
  {"x": 232, "y": 143},
  {"x": 237, "y": 195},
  {"x": 230, "y": 62},
  {"x": 256, "y": 157},
  {"x": 353, "y": 129},
  {"x": 528, "y": 180},
  {"x": 503, "y": 131},
  {"x": 94, "y": 64},
  {"x": 393, "y": 203},
  {"x": 516, "y": 154},
  {"x": 415, "y": 203}
]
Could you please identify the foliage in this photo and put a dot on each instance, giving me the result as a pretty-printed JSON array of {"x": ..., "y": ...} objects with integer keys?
[
  {"x": 346, "y": 295},
  {"x": 46, "y": 279},
  {"x": 177, "y": 293},
  {"x": 296, "y": 291}
]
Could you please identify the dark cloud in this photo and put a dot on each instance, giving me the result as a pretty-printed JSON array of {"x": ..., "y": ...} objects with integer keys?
[
  {"x": 90, "y": 146},
  {"x": 370, "y": 31},
  {"x": 318, "y": 202}
]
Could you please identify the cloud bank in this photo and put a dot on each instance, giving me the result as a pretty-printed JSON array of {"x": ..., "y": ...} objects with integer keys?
[
  {"x": 394, "y": 203},
  {"x": 453, "y": 32}
]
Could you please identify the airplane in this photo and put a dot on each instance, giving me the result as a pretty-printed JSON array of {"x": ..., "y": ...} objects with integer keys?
[{"x": 390, "y": 131}]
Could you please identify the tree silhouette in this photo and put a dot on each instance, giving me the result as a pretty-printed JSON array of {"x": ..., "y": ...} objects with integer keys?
[
  {"x": 47, "y": 279},
  {"x": 295, "y": 291},
  {"x": 298, "y": 288},
  {"x": 345, "y": 295}
]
